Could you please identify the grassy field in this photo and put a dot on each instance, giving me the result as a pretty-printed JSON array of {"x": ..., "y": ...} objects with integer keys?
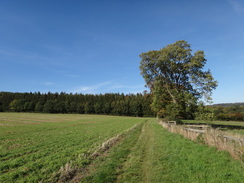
[
  {"x": 34, "y": 147},
  {"x": 232, "y": 123},
  {"x": 241, "y": 132}
]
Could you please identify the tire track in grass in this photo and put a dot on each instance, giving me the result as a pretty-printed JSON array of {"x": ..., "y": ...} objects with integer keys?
[
  {"x": 160, "y": 156},
  {"x": 76, "y": 174},
  {"x": 130, "y": 161},
  {"x": 150, "y": 154},
  {"x": 139, "y": 163},
  {"x": 107, "y": 167}
]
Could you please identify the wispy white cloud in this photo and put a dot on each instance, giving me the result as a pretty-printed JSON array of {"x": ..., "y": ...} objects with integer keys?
[
  {"x": 5, "y": 52},
  {"x": 24, "y": 57},
  {"x": 49, "y": 83},
  {"x": 237, "y": 6},
  {"x": 125, "y": 87},
  {"x": 109, "y": 87},
  {"x": 117, "y": 86},
  {"x": 61, "y": 50},
  {"x": 92, "y": 89},
  {"x": 72, "y": 75}
]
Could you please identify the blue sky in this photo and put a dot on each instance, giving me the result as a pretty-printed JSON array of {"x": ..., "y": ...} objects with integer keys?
[{"x": 93, "y": 46}]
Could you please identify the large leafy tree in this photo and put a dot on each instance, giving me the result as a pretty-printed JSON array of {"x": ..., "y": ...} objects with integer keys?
[{"x": 177, "y": 79}]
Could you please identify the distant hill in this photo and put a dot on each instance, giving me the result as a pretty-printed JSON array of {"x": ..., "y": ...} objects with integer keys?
[{"x": 229, "y": 104}]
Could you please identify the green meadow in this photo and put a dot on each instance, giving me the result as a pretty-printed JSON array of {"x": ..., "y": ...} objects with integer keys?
[
  {"x": 59, "y": 148},
  {"x": 226, "y": 123},
  {"x": 35, "y": 146}
]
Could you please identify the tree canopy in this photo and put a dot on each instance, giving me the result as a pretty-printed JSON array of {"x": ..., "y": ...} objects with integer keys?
[
  {"x": 109, "y": 103},
  {"x": 176, "y": 78}
]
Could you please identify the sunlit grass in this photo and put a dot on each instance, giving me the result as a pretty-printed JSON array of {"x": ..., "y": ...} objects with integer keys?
[
  {"x": 154, "y": 155},
  {"x": 234, "y": 123},
  {"x": 35, "y": 146}
]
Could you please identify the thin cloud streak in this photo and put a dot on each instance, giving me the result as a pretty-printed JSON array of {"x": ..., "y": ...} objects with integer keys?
[
  {"x": 93, "y": 89},
  {"x": 49, "y": 83},
  {"x": 237, "y": 6},
  {"x": 108, "y": 87}
]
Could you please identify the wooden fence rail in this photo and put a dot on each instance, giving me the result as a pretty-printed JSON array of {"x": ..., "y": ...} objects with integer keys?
[
  {"x": 239, "y": 140},
  {"x": 203, "y": 129},
  {"x": 195, "y": 130}
]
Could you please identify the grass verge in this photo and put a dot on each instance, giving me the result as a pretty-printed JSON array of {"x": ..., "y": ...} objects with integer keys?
[
  {"x": 153, "y": 155},
  {"x": 227, "y": 123}
]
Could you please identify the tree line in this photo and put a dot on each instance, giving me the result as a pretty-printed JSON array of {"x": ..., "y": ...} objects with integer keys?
[
  {"x": 110, "y": 103},
  {"x": 229, "y": 104},
  {"x": 229, "y": 113}
]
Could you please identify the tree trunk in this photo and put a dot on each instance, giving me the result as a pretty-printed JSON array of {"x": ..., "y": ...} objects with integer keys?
[{"x": 172, "y": 96}]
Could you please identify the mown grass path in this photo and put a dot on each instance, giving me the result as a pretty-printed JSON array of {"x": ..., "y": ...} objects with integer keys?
[
  {"x": 152, "y": 154},
  {"x": 140, "y": 161}
]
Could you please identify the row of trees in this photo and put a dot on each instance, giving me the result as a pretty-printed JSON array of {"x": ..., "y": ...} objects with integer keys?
[
  {"x": 114, "y": 104},
  {"x": 230, "y": 113}
]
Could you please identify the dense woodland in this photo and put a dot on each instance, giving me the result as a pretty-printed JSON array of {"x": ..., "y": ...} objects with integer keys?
[
  {"x": 226, "y": 112},
  {"x": 229, "y": 104},
  {"x": 110, "y": 103},
  {"x": 230, "y": 113}
]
